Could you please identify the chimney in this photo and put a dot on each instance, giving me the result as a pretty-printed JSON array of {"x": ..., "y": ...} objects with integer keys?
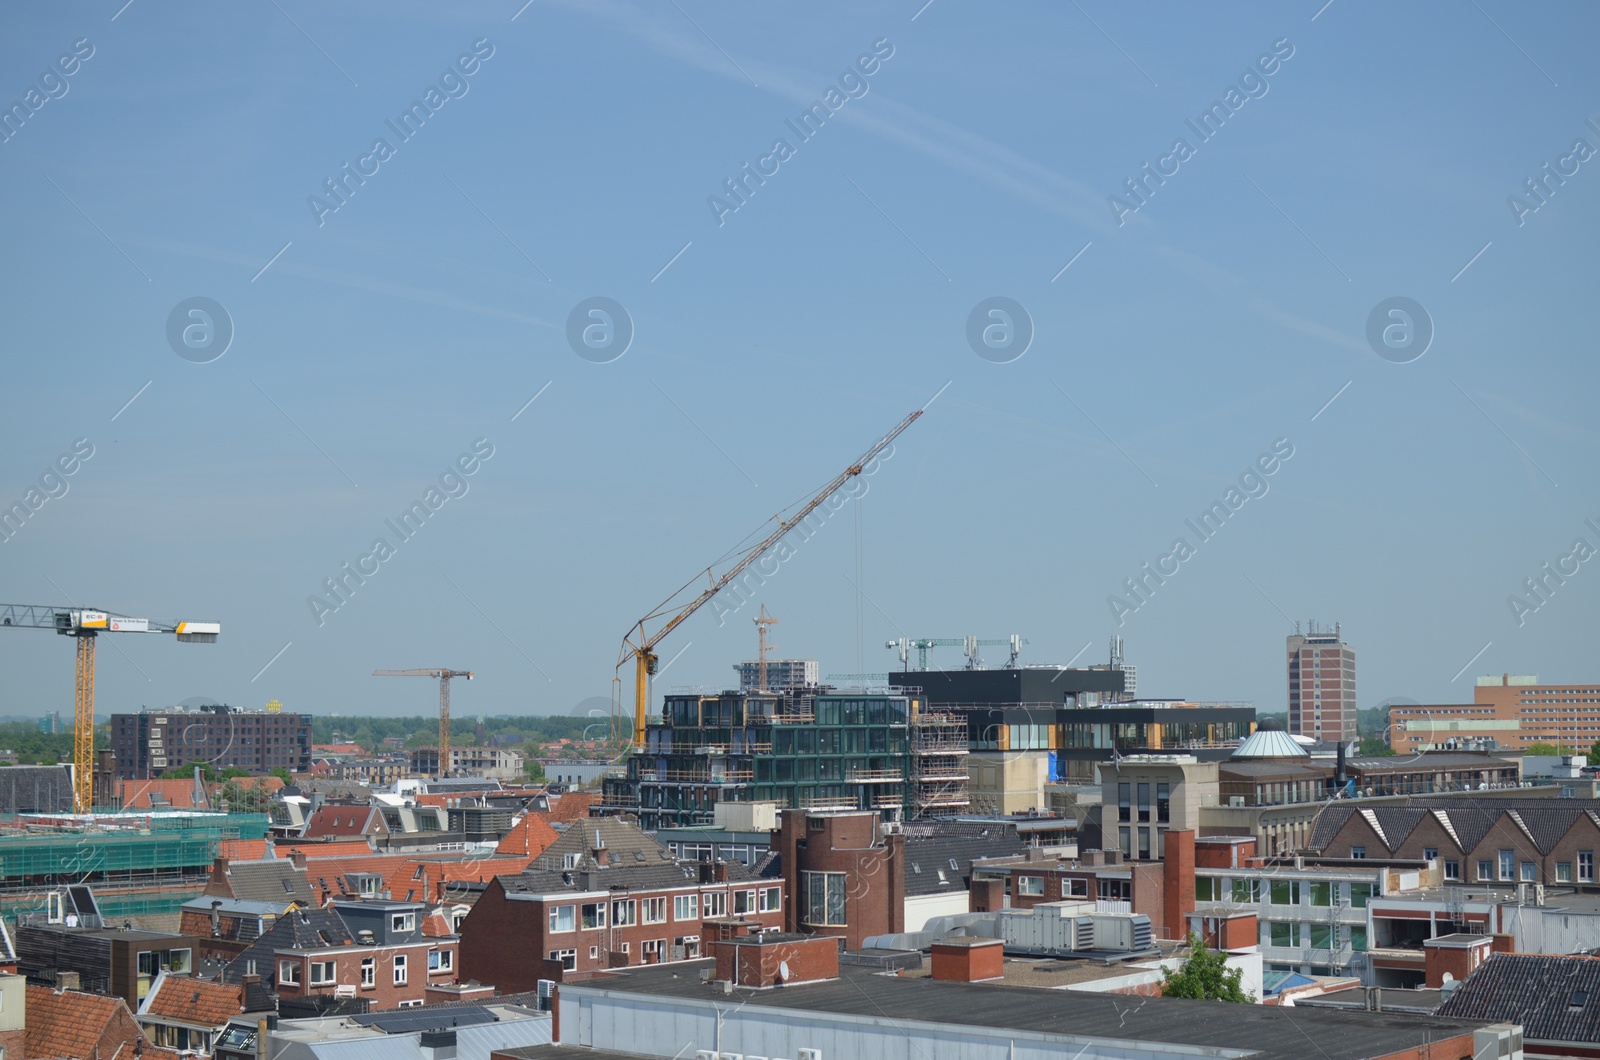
[
  {"x": 68, "y": 981},
  {"x": 1339, "y": 769},
  {"x": 216, "y": 918},
  {"x": 1178, "y": 883},
  {"x": 298, "y": 857}
]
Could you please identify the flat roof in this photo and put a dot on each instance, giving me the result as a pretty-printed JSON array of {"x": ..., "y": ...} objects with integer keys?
[{"x": 1263, "y": 1029}]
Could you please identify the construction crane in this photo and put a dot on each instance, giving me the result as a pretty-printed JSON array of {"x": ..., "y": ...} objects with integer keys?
[
  {"x": 903, "y": 646},
  {"x": 86, "y": 624},
  {"x": 762, "y": 621},
  {"x": 640, "y": 644},
  {"x": 444, "y": 677}
]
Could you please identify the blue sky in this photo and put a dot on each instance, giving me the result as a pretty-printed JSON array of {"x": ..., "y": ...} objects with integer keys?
[{"x": 1170, "y": 353}]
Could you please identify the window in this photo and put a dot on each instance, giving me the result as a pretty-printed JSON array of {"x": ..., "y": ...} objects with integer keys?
[
  {"x": 1359, "y": 893},
  {"x": 1125, "y": 834},
  {"x": 369, "y": 972},
  {"x": 1430, "y": 853},
  {"x": 1205, "y": 888},
  {"x": 1163, "y": 802},
  {"x": 1283, "y": 934},
  {"x": 1124, "y": 799},
  {"x": 824, "y": 898},
  {"x": 744, "y": 902},
  {"x": 403, "y": 922},
  {"x": 1030, "y": 885},
  {"x": 714, "y": 903},
  {"x": 441, "y": 961},
  {"x": 1585, "y": 866},
  {"x": 686, "y": 907},
  {"x": 1358, "y": 852},
  {"x": 323, "y": 973},
  {"x": 399, "y": 969},
  {"x": 1508, "y": 860},
  {"x": 655, "y": 910},
  {"x": 1144, "y": 801},
  {"x": 1246, "y": 890},
  {"x": 1321, "y": 893},
  {"x": 594, "y": 915},
  {"x": 288, "y": 973},
  {"x": 624, "y": 913},
  {"x": 563, "y": 918},
  {"x": 1530, "y": 872},
  {"x": 1563, "y": 872},
  {"x": 1452, "y": 870},
  {"x": 568, "y": 959},
  {"x": 1485, "y": 870},
  {"x": 771, "y": 899},
  {"x": 1358, "y": 939},
  {"x": 651, "y": 949},
  {"x": 1285, "y": 892},
  {"x": 1321, "y": 936},
  {"x": 690, "y": 944},
  {"x": 594, "y": 952}
]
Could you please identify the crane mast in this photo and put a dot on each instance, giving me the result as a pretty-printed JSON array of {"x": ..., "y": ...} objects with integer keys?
[
  {"x": 444, "y": 676},
  {"x": 639, "y": 645},
  {"x": 86, "y": 624}
]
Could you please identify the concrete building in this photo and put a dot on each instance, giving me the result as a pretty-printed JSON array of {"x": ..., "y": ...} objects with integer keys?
[
  {"x": 655, "y": 1013},
  {"x": 781, "y": 673},
  {"x": 496, "y": 763},
  {"x": 1507, "y": 711},
  {"x": 1145, "y": 796},
  {"x": 222, "y": 737},
  {"x": 1322, "y": 684}
]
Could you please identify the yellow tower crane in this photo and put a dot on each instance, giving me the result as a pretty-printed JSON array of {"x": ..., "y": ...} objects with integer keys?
[
  {"x": 444, "y": 677},
  {"x": 86, "y": 624},
  {"x": 762, "y": 621},
  {"x": 640, "y": 644}
]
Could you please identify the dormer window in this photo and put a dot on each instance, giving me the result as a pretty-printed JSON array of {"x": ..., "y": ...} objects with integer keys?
[{"x": 403, "y": 922}]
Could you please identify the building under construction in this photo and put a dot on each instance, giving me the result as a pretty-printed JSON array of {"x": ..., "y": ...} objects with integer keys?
[{"x": 803, "y": 748}]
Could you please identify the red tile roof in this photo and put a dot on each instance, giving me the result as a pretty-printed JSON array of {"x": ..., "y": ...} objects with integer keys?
[
  {"x": 244, "y": 849},
  {"x": 339, "y": 848},
  {"x": 573, "y": 806},
  {"x": 340, "y": 821},
  {"x": 73, "y": 1024},
  {"x": 136, "y": 794},
  {"x": 198, "y": 1001},
  {"x": 528, "y": 837},
  {"x": 429, "y": 881}
]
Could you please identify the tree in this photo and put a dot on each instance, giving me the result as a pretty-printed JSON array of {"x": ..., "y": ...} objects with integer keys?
[
  {"x": 283, "y": 774},
  {"x": 535, "y": 770},
  {"x": 187, "y": 772},
  {"x": 1542, "y": 749},
  {"x": 1375, "y": 747},
  {"x": 1205, "y": 975},
  {"x": 1594, "y": 753}
]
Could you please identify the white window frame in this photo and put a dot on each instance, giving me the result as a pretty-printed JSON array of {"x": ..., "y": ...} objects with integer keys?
[
  {"x": 744, "y": 903},
  {"x": 1030, "y": 886},
  {"x": 714, "y": 903},
  {"x": 770, "y": 900},
  {"x": 401, "y": 969},
  {"x": 655, "y": 911},
  {"x": 324, "y": 973},
  {"x": 556, "y": 917},
  {"x": 568, "y": 959},
  {"x": 683, "y": 902},
  {"x": 624, "y": 912},
  {"x": 441, "y": 961},
  {"x": 403, "y": 922},
  {"x": 369, "y": 973},
  {"x": 289, "y": 973}
]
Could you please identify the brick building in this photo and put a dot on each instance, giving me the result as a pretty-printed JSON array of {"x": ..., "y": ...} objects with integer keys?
[
  {"x": 154, "y": 741},
  {"x": 1507, "y": 711},
  {"x": 373, "y": 950},
  {"x": 846, "y": 874},
  {"x": 1322, "y": 684},
  {"x": 1552, "y": 842},
  {"x": 557, "y": 925}
]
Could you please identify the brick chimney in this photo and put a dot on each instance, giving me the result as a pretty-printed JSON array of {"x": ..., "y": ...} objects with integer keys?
[
  {"x": 298, "y": 857},
  {"x": 1178, "y": 885},
  {"x": 68, "y": 981}
]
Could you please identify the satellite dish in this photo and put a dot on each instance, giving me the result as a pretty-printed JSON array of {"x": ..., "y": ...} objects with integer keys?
[{"x": 783, "y": 971}]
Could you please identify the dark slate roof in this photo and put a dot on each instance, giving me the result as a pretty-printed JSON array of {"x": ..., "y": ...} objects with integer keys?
[
  {"x": 303, "y": 929},
  {"x": 1554, "y": 998},
  {"x": 769, "y": 866},
  {"x": 644, "y": 877},
  {"x": 263, "y": 881},
  {"x": 1268, "y": 1031},
  {"x": 624, "y": 841},
  {"x": 961, "y": 842},
  {"x": 1547, "y": 821}
]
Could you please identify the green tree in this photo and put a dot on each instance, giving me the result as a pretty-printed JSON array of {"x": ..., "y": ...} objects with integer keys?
[
  {"x": 283, "y": 774},
  {"x": 1204, "y": 975},
  {"x": 187, "y": 772},
  {"x": 1375, "y": 747},
  {"x": 535, "y": 770},
  {"x": 1594, "y": 753},
  {"x": 1542, "y": 749}
]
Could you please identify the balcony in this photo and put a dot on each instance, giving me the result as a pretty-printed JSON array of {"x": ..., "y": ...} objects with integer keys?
[{"x": 875, "y": 776}]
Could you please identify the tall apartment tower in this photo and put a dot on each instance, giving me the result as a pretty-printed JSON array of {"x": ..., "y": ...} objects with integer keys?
[{"x": 1322, "y": 684}]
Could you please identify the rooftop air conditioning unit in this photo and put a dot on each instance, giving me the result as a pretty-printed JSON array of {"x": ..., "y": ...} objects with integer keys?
[{"x": 1236, "y": 800}]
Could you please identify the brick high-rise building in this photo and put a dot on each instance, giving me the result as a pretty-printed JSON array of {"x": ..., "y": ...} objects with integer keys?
[{"x": 1322, "y": 684}]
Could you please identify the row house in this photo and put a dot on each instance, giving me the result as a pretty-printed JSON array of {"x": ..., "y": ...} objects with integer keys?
[
  {"x": 1506, "y": 842},
  {"x": 564, "y": 925},
  {"x": 377, "y": 951}
]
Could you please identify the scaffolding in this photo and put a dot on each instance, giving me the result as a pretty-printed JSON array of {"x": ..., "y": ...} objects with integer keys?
[
  {"x": 938, "y": 765},
  {"x": 137, "y": 863}
]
